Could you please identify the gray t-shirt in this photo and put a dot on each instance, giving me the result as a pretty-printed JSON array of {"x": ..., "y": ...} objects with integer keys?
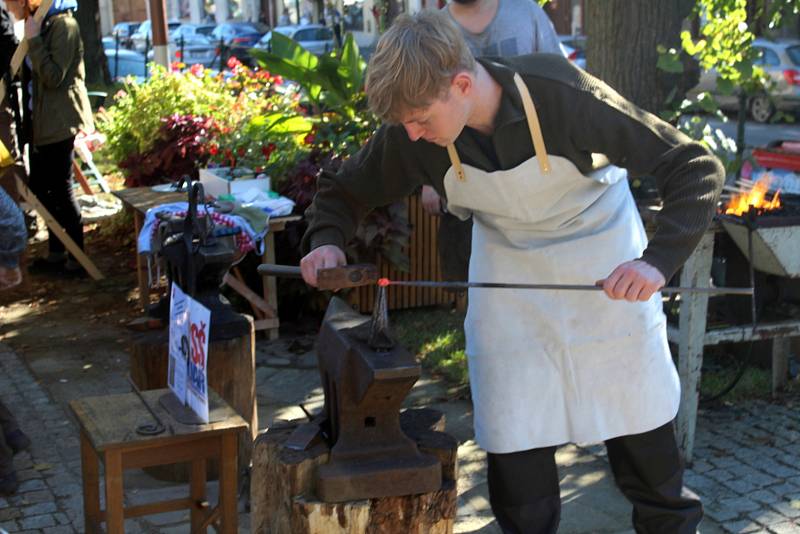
[{"x": 519, "y": 27}]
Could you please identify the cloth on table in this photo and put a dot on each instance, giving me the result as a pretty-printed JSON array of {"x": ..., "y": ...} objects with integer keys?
[{"x": 253, "y": 228}]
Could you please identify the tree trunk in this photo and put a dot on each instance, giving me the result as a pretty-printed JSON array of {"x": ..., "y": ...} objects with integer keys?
[
  {"x": 622, "y": 36},
  {"x": 94, "y": 56}
]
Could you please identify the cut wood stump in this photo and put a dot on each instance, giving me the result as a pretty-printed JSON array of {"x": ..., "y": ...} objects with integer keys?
[{"x": 282, "y": 499}]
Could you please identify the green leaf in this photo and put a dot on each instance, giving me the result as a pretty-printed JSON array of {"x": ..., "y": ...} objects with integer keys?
[{"x": 670, "y": 61}]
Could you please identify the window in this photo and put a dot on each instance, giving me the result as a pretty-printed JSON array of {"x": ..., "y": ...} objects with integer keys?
[
  {"x": 794, "y": 54},
  {"x": 767, "y": 57}
]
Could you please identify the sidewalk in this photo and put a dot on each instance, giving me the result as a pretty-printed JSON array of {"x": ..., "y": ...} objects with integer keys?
[{"x": 746, "y": 467}]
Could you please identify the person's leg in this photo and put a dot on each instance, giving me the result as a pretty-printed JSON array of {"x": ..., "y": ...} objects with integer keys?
[
  {"x": 13, "y": 435},
  {"x": 8, "y": 477},
  {"x": 51, "y": 181},
  {"x": 649, "y": 470},
  {"x": 523, "y": 491}
]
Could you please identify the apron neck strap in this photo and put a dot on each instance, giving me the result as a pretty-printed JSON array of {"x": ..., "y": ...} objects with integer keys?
[{"x": 533, "y": 126}]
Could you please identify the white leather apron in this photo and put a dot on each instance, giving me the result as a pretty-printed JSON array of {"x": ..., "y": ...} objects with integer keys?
[{"x": 551, "y": 367}]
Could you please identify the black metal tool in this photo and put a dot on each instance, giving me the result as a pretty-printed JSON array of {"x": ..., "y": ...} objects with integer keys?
[
  {"x": 147, "y": 429},
  {"x": 558, "y": 287}
]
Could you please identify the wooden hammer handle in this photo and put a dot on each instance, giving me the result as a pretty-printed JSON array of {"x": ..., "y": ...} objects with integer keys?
[{"x": 328, "y": 279}]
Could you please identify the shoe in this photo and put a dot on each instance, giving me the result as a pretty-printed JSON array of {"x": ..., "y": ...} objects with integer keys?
[
  {"x": 17, "y": 440},
  {"x": 76, "y": 271},
  {"x": 8, "y": 484},
  {"x": 45, "y": 266}
]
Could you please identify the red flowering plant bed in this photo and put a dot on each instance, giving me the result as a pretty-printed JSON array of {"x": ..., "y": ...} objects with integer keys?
[{"x": 177, "y": 122}]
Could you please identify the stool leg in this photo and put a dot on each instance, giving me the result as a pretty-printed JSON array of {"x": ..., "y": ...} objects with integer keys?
[
  {"x": 197, "y": 493},
  {"x": 227, "y": 483},
  {"x": 91, "y": 486},
  {"x": 114, "y": 510}
]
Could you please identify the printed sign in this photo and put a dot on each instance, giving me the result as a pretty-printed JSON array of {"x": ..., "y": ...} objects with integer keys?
[
  {"x": 178, "y": 342},
  {"x": 187, "y": 371},
  {"x": 197, "y": 384}
]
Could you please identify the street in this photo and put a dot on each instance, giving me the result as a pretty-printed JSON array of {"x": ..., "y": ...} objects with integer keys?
[{"x": 759, "y": 134}]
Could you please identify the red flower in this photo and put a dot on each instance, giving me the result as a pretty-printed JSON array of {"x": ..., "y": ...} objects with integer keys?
[
  {"x": 309, "y": 139},
  {"x": 233, "y": 62},
  {"x": 278, "y": 80},
  {"x": 268, "y": 150},
  {"x": 197, "y": 69},
  {"x": 240, "y": 151},
  {"x": 176, "y": 66}
]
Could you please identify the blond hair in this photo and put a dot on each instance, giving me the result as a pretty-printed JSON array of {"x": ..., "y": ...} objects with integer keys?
[{"x": 414, "y": 63}]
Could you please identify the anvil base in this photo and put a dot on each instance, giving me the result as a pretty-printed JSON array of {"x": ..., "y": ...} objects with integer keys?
[{"x": 358, "y": 479}]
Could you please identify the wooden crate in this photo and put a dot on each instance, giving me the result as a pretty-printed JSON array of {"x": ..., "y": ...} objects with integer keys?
[{"x": 424, "y": 258}]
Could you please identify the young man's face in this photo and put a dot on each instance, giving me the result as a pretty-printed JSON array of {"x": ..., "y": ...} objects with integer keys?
[
  {"x": 440, "y": 123},
  {"x": 16, "y": 8}
]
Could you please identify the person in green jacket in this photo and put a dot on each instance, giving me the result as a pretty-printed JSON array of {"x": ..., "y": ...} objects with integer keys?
[
  {"x": 60, "y": 111},
  {"x": 538, "y": 153}
]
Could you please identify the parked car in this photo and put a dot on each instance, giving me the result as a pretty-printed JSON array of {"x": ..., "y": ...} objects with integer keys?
[
  {"x": 781, "y": 62},
  {"x": 144, "y": 34},
  {"x": 203, "y": 53},
  {"x": 315, "y": 38},
  {"x": 123, "y": 62},
  {"x": 123, "y": 31},
  {"x": 238, "y": 34},
  {"x": 192, "y": 32},
  {"x": 574, "y": 48},
  {"x": 237, "y": 38}
]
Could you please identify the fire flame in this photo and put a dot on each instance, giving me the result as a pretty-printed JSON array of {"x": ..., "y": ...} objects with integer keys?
[{"x": 755, "y": 198}]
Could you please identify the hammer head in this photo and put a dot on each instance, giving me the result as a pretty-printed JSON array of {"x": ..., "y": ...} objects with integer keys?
[{"x": 360, "y": 274}]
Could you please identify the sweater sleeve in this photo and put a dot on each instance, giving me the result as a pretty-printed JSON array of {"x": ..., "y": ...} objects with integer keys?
[
  {"x": 388, "y": 168},
  {"x": 51, "y": 63},
  {"x": 13, "y": 235},
  {"x": 688, "y": 177}
]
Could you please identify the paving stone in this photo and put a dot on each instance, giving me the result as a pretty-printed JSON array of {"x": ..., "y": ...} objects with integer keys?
[
  {"x": 28, "y": 474},
  {"x": 8, "y": 513},
  {"x": 720, "y": 475},
  {"x": 785, "y": 528},
  {"x": 61, "y": 518},
  {"x": 38, "y": 521},
  {"x": 61, "y": 529},
  {"x": 740, "y": 486},
  {"x": 784, "y": 489},
  {"x": 741, "y": 504},
  {"x": 38, "y": 509},
  {"x": 767, "y": 517},
  {"x": 765, "y": 496},
  {"x": 701, "y": 466},
  {"x": 788, "y": 509},
  {"x": 35, "y": 497},
  {"x": 721, "y": 513},
  {"x": 9, "y": 526},
  {"x": 741, "y": 527},
  {"x": 31, "y": 485}
]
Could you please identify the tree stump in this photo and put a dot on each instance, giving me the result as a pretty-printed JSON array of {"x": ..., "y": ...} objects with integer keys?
[
  {"x": 282, "y": 499},
  {"x": 231, "y": 373}
]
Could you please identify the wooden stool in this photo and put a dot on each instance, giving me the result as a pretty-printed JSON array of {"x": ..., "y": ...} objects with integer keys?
[{"x": 108, "y": 430}]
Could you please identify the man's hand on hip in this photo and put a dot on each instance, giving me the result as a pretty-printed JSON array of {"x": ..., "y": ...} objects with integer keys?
[
  {"x": 431, "y": 201},
  {"x": 633, "y": 281},
  {"x": 322, "y": 257}
]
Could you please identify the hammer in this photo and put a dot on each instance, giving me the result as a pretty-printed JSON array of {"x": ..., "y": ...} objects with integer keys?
[{"x": 332, "y": 278}]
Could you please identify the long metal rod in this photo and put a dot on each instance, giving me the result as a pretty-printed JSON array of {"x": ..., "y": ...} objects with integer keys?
[{"x": 562, "y": 287}]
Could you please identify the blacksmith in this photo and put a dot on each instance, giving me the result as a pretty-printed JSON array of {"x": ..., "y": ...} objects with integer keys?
[{"x": 538, "y": 153}]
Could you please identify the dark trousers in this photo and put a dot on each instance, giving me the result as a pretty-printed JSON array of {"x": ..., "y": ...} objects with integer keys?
[
  {"x": 525, "y": 499},
  {"x": 51, "y": 182},
  {"x": 8, "y": 424}
]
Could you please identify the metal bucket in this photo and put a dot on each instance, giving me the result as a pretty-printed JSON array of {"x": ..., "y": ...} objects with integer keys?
[{"x": 776, "y": 243}]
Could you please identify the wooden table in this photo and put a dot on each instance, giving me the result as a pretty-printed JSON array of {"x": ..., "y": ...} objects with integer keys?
[
  {"x": 141, "y": 199},
  {"x": 692, "y": 334},
  {"x": 108, "y": 430}
]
